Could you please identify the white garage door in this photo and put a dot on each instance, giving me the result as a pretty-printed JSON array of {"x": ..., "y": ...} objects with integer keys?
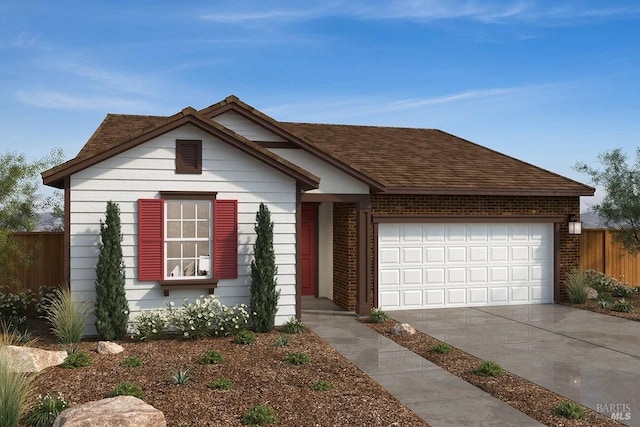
[{"x": 457, "y": 265}]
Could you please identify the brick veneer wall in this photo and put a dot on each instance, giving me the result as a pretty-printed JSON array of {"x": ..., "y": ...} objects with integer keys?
[
  {"x": 344, "y": 255},
  {"x": 345, "y": 228}
]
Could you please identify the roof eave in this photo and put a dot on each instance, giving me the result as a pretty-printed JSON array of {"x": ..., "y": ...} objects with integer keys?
[{"x": 586, "y": 191}]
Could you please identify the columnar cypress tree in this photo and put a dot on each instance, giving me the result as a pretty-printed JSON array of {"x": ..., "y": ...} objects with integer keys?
[
  {"x": 112, "y": 308},
  {"x": 264, "y": 297}
]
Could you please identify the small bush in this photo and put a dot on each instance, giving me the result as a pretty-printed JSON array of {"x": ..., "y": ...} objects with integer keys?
[
  {"x": 131, "y": 362},
  {"x": 293, "y": 326},
  {"x": 77, "y": 359},
  {"x": 245, "y": 337},
  {"x": 489, "y": 368},
  {"x": 600, "y": 281},
  {"x": 377, "y": 316},
  {"x": 211, "y": 357},
  {"x": 14, "y": 306},
  {"x": 298, "y": 358},
  {"x": 622, "y": 306},
  {"x": 221, "y": 384},
  {"x": 322, "y": 385},
  {"x": 281, "y": 341},
  {"x": 441, "y": 348},
  {"x": 67, "y": 316},
  {"x": 569, "y": 409},
  {"x": 576, "y": 284},
  {"x": 621, "y": 290},
  {"x": 180, "y": 377},
  {"x": 46, "y": 410},
  {"x": 151, "y": 324},
  {"x": 127, "y": 389},
  {"x": 259, "y": 415},
  {"x": 206, "y": 316}
]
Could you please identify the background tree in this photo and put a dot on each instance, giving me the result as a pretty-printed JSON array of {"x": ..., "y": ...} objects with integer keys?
[
  {"x": 620, "y": 208},
  {"x": 112, "y": 308},
  {"x": 21, "y": 203},
  {"x": 264, "y": 297}
]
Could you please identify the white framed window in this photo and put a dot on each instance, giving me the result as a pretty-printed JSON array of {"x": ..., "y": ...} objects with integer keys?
[{"x": 188, "y": 239}]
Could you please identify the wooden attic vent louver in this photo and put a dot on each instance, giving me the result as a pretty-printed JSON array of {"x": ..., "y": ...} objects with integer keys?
[{"x": 188, "y": 156}]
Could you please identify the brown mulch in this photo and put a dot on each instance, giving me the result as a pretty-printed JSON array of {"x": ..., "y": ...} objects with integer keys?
[
  {"x": 592, "y": 305},
  {"x": 260, "y": 377},
  {"x": 525, "y": 396}
]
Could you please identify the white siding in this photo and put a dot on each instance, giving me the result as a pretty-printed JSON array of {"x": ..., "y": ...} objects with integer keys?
[
  {"x": 332, "y": 181},
  {"x": 246, "y": 128},
  {"x": 142, "y": 172}
]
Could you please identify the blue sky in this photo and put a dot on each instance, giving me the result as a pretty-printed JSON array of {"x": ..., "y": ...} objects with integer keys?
[{"x": 549, "y": 82}]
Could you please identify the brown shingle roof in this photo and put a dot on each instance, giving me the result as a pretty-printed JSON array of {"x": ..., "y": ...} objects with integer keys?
[
  {"x": 432, "y": 161},
  {"x": 390, "y": 159}
]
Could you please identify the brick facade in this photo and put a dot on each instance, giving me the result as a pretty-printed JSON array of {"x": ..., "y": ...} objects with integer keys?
[{"x": 345, "y": 228}]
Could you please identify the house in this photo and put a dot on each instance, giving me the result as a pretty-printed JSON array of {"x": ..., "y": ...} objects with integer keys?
[{"x": 366, "y": 216}]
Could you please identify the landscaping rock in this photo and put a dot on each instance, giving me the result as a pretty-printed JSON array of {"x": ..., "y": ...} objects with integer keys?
[
  {"x": 31, "y": 359},
  {"x": 120, "y": 411},
  {"x": 403, "y": 329},
  {"x": 108, "y": 347},
  {"x": 592, "y": 293}
]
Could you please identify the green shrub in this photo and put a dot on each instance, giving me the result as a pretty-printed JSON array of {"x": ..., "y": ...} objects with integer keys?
[
  {"x": 127, "y": 389},
  {"x": 377, "y": 316},
  {"x": 221, "y": 384},
  {"x": 298, "y": 358},
  {"x": 245, "y": 337},
  {"x": 207, "y": 316},
  {"x": 489, "y": 368},
  {"x": 322, "y": 385},
  {"x": 263, "y": 303},
  {"x": 111, "y": 306},
  {"x": 621, "y": 290},
  {"x": 14, "y": 306},
  {"x": 131, "y": 362},
  {"x": 293, "y": 326},
  {"x": 46, "y": 411},
  {"x": 77, "y": 359},
  {"x": 14, "y": 385},
  {"x": 441, "y": 348},
  {"x": 281, "y": 341},
  {"x": 569, "y": 409},
  {"x": 180, "y": 377},
  {"x": 600, "y": 281},
  {"x": 576, "y": 284},
  {"x": 151, "y": 324},
  {"x": 66, "y": 316},
  {"x": 622, "y": 306},
  {"x": 211, "y": 357},
  {"x": 259, "y": 415}
]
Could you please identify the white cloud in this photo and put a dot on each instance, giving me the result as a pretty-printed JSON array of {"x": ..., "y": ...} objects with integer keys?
[{"x": 66, "y": 101}]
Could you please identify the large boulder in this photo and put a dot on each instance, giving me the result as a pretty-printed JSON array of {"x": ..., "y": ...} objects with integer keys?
[
  {"x": 120, "y": 411},
  {"x": 108, "y": 347},
  {"x": 403, "y": 329},
  {"x": 31, "y": 359}
]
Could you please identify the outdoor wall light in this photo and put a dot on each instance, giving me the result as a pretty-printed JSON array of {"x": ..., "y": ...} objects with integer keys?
[{"x": 575, "y": 226}]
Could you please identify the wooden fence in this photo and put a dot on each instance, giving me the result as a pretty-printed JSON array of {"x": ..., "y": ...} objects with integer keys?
[
  {"x": 601, "y": 252},
  {"x": 45, "y": 251}
]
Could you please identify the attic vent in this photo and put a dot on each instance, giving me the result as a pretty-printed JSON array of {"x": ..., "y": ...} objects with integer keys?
[{"x": 188, "y": 156}]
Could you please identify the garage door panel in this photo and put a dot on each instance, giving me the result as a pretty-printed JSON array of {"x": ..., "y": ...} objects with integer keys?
[{"x": 440, "y": 265}]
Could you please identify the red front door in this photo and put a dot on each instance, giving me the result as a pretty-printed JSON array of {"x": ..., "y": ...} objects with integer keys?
[{"x": 309, "y": 245}]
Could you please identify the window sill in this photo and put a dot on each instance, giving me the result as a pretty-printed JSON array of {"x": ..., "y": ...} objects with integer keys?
[{"x": 168, "y": 285}]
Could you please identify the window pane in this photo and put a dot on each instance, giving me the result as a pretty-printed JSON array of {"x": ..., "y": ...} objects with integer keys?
[
  {"x": 173, "y": 249},
  {"x": 203, "y": 229},
  {"x": 189, "y": 210},
  {"x": 173, "y": 229},
  {"x": 203, "y": 210},
  {"x": 189, "y": 267},
  {"x": 173, "y": 210},
  {"x": 189, "y": 229},
  {"x": 173, "y": 269},
  {"x": 189, "y": 249},
  {"x": 203, "y": 248}
]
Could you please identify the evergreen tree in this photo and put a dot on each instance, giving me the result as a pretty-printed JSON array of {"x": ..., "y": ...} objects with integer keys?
[
  {"x": 112, "y": 308},
  {"x": 264, "y": 297}
]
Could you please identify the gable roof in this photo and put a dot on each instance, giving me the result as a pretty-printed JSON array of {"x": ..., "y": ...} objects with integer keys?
[
  {"x": 118, "y": 133},
  {"x": 387, "y": 159}
]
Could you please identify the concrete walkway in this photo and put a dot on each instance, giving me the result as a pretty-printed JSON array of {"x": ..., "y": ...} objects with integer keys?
[
  {"x": 591, "y": 358},
  {"x": 438, "y": 397}
]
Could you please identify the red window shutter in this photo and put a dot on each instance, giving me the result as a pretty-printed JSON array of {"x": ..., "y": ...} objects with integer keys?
[
  {"x": 225, "y": 239},
  {"x": 150, "y": 239}
]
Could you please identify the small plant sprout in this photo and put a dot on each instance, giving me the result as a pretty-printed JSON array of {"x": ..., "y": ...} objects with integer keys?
[
  {"x": 211, "y": 357},
  {"x": 77, "y": 359},
  {"x": 298, "y": 358},
  {"x": 245, "y": 337},
  {"x": 377, "y": 316},
  {"x": 46, "y": 410},
  {"x": 221, "y": 384},
  {"x": 180, "y": 377},
  {"x": 259, "y": 416},
  {"x": 441, "y": 348},
  {"x": 127, "y": 389},
  {"x": 569, "y": 409},
  {"x": 281, "y": 341},
  {"x": 322, "y": 385},
  {"x": 293, "y": 326},
  {"x": 131, "y": 362},
  {"x": 489, "y": 368}
]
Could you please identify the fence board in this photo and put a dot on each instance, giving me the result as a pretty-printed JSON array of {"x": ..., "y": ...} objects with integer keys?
[
  {"x": 601, "y": 252},
  {"x": 46, "y": 265}
]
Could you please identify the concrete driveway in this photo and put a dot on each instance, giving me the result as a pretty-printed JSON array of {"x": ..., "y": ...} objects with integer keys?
[{"x": 588, "y": 357}]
